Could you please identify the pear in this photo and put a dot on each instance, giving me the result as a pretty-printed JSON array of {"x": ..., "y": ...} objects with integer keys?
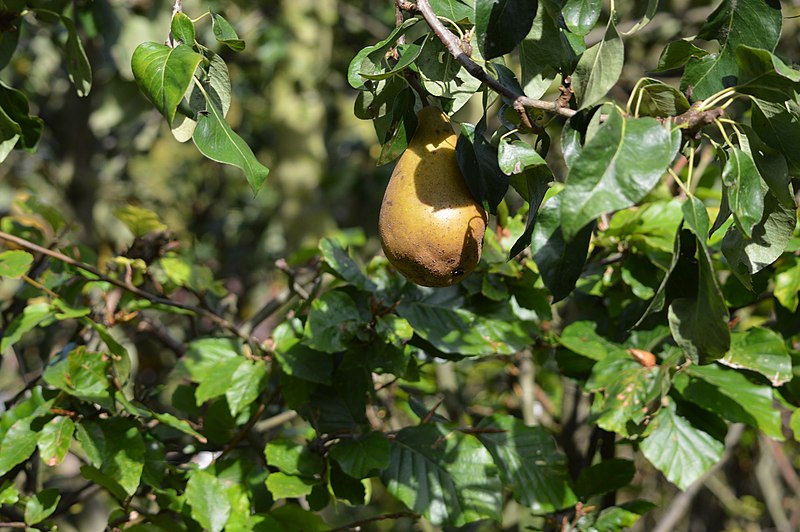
[{"x": 431, "y": 228}]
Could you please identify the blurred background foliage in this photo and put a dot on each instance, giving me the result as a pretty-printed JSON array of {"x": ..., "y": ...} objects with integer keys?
[{"x": 293, "y": 105}]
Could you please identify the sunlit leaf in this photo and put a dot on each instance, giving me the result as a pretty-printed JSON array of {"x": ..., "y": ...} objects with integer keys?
[
  {"x": 205, "y": 494},
  {"x": 598, "y": 69},
  {"x": 163, "y": 74}
]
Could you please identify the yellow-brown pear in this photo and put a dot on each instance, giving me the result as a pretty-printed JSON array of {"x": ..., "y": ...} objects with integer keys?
[{"x": 430, "y": 226}]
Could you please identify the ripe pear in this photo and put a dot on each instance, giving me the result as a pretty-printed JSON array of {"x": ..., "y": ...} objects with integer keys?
[{"x": 431, "y": 228}]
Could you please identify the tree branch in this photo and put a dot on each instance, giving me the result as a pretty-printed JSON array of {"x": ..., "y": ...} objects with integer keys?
[
  {"x": 152, "y": 298},
  {"x": 454, "y": 46}
]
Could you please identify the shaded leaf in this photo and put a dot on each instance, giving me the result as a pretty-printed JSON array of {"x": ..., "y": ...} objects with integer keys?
[
  {"x": 343, "y": 265},
  {"x": 293, "y": 459},
  {"x": 623, "y": 516},
  {"x": 80, "y": 70},
  {"x": 450, "y": 478},
  {"x": 41, "y": 505},
  {"x": 544, "y": 51},
  {"x": 363, "y": 456},
  {"x": 765, "y": 76},
  {"x": 743, "y": 189},
  {"x": 333, "y": 322},
  {"x": 529, "y": 463},
  {"x": 297, "y": 359},
  {"x": 225, "y": 33},
  {"x": 477, "y": 159},
  {"x": 604, "y": 477},
  {"x": 678, "y": 53},
  {"x": 370, "y": 60},
  {"x": 455, "y": 10},
  {"x": 656, "y": 98},
  {"x": 581, "y": 16},
  {"x": 55, "y": 438}
]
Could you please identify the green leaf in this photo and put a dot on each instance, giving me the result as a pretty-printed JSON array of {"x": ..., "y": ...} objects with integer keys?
[
  {"x": 448, "y": 477},
  {"x": 15, "y": 263},
  {"x": 787, "y": 283},
  {"x": 529, "y": 463},
  {"x": 361, "y": 457},
  {"x": 765, "y": 76},
  {"x": 32, "y": 316},
  {"x": 283, "y": 486},
  {"x": 296, "y": 358},
  {"x": 293, "y": 459},
  {"x": 560, "y": 261},
  {"x": 370, "y": 60},
  {"x": 14, "y": 113},
  {"x": 455, "y": 10},
  {"x": 612, "y": 171},
  {"x": 743, "y": 187},
  {"x": 544, "y": 51},
  {"x": 245, "y": 385},
  {"x": 206, "y": 495},
  {"x": 9, "y": 494},
  {"x": 400, "y": 127},
  {"x": 122, "y": 450},
  {"x": 80, "y": 70},
  {"x": 163, "y": 74},
  {"x": 760, "y": 350},
  {"x": 55, "y": 438},
  {"x": 755, "y": 23},
  {"x": 81, "y": 373},
  {"x": 581, "y": 338},
  {"x": 604, "y": 477},
  {"x": 678, "y": 53},
  {"x": 778, "y": 125},
  {"x": 678, "y": 449},
  {"x": 218, "y": 381},
  {"x": 622, "y": 517},
  {"x": 139, "y": 220},
  {"x": 407, "y": 54},
  {"x": 732, "y": 396},
  {"x": 203, "y": 357},
  {"x": 537, "y": 183},
  {"x": 501, "y": 24},
  {"x": 292, "y": 517},
  {"x": 216, "y": 140},
  {"x": 438, "y": 319},
  {"x": 225, "y": 33},
  {"x": 699, "y": 320},
  {"x": 41, "y": 506},
  {"x": 794, "y": 424},
  {"x": 343, "y": 266},
  {"x": 182, "y": 28},
  {"x": 599, "y": 68},
  {"x": 178, "y": 424},
  {"x": 17, "y": 443},
  {"x": 104, "y": 480},
  {"x": 580, "y": 16},
  {"x": 333, "y": 322}
]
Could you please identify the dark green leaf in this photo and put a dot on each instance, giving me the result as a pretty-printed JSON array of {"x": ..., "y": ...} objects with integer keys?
[
  {"x": 500, "y": 25},
  {"x": 15, "y": 263},
  {"x": 224, "y": 33},
  {"x": 182, "y": 28},
  {"x": 560, "y": 261},
  {"x": 612, "y": 171},
  {"x": 778, "y": 125},
  {"x": 123, "y": 452},
  {"x": 763, "y": 351},
  {"x": 441, "y": 321},
  {"x": 581, "y": 338},
  {"x": 652, "y": 7},
  {"x": 333, "y": 322},
  {"x": 529, "y": 463},
  {"x": 624, "y": 516},
  {"x": 598, "y": 69},
  {"x": 604, "y": 477},
  {"x": 163, "y": 74},
  {"x": 216, "y": 140},
  {"x": 41, "y": 506},
  {"x": 292, "y": 517},
  {"x": 362, "y": 456},
  {"x": 537, "y": 182},
  {"x": 205, "y": 494},
  {"x": 765, "y": 76},
  {"x": 17, "y": 443},
  {"x": 678, "y": 449},
  {"x": 544, "y": 51},
  {"x": 338, "y": 259},
  {"x": 477, "y": 159},
  {"x": 678, "y": 53},
  {"x": 8, "y": 44},
  {"x": 80, "y": 71},
  {"x": 104, "y": 480},
  {"x": 81, "y": 373},
  {"x": 14, "y": 112},
  {"x": 755, "y": 23},
  {"x": 55, "y": 438},
  {"x": 743, "y": 189},
  {"x": 297, "y": 359},
  {"x": 770, "y": 237},
  {"x": 516, "y": 156},
  {"x": 448, "y": 477},
  {"x": 402, "y": 122},
  {"x": 407, "y": 54}
]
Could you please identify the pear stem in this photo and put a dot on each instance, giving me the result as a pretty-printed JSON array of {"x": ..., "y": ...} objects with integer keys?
[{"x": 454, "y": 46}]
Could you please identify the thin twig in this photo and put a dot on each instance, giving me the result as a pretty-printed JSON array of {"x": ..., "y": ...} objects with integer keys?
[
  {"x": 356, "y": 525},
  {"x": 152, "y": 298},
  {"x": 453, "y": 45}
]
